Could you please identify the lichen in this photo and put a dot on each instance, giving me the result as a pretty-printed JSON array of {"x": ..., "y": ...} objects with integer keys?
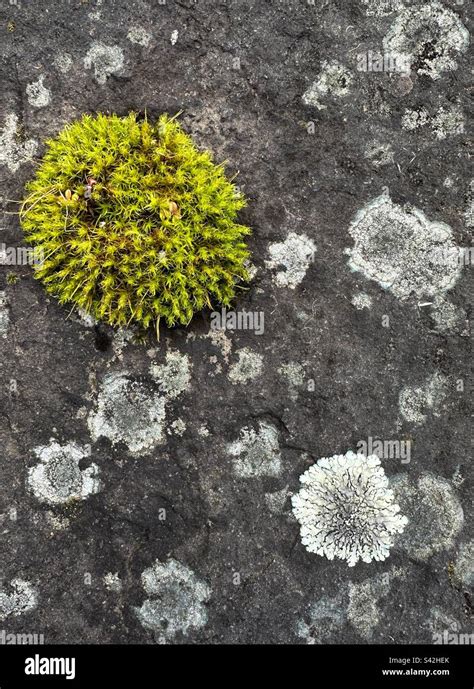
[
  {"x": 346, "y": 509},
  {"x": 256, "y": 452},
  {"x": 334, "y": 82},
  {"x": 14, "y": 151},
  {"x": 177, "y": 600},
  {"x": 57, "y": 479},
  {"x": 18, "y": 598},
  {"x": 128, "y": 411},
  {"x": 432, "y": 34},
  {"x": 402, "y": 250},
  {"x": 291, "y": 259},
  {"x": 434, "y": 511},
  {"x": 248, "y": 367}
]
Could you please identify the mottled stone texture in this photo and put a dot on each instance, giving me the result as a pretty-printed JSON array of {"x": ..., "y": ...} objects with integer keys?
[{"x": 222, "y": 542}]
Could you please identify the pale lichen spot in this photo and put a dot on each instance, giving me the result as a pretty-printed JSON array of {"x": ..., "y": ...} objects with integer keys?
[
  {"x": 14, "y": 151},
  {"x": 4, "y": 315},
  {"x": 447, "y": 316},
  {"x": 291, "y": 259},
  {"x": 174, "y": 375},
  {"x": 105, "y": 60},
  {"x": 463, "y": 573},
  {"x": 324, "y": 617},
  {"x": 432, "y": 34},
  {"x": 176, "y": 603},
  {"x": 416, "y": 401},
  {"x": 177, "y": 427},
  {"x": 445, "y": 122},
  {"x": 256, "y": 452},
  {"x": 113, "y": 582},
  {"x": 435, "y": 515},
  {"x": 362, "y": 300},
  {"x": 16, "y": 598},
  {"x": 379, "y": 153},
  {"x": 293, "y": 373},
  {"x": 129, "y": 412},
  {"x": 402, "y": 250},
  {"x": 38, "y": 95},
  {"x": 57, "y": 479},
  {"x": 363, "y": 610},
  {"x": 138, "y": 35},
  {"x": 248, "y": 367},
  {"x": 63, "y": 62},
  {"x": 333, "y": 81}
]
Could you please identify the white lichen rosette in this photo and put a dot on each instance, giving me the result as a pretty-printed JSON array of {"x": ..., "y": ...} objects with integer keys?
[{"x": 346, "y": 509}]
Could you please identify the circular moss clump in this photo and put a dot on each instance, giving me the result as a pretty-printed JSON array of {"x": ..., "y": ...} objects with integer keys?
[{"x": 133, "y": 223}]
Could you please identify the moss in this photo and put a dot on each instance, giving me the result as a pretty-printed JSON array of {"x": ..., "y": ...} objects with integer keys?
[{"x": 134, "y": 223}]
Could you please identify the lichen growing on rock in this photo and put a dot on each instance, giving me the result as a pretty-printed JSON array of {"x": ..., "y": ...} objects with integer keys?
[
  {"x": 256, "y": 452},
  {"x": 403, "y": 251},
  {"x": 435, "y": 514},
  {"x": 432, "y": 34},
  {"x": 290, "y": 259},
  {"x": 135, "y": 224},
  {"x": 177, "y": 600},
  {"x": 346, "y": 509},
  {"x": 130, "y": 412},
  {"x": 18, "y": 598},
  {"x": 58, "y": 479}
]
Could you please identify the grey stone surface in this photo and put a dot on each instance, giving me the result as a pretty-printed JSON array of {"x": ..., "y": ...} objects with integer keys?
[{"x": 274, "y": 88}]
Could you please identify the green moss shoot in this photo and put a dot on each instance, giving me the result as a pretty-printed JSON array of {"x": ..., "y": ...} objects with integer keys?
[{"x": 134, "y": 223}]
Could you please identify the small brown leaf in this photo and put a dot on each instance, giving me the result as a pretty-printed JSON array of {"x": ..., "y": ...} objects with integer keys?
[{"x": 174, "y": 210}]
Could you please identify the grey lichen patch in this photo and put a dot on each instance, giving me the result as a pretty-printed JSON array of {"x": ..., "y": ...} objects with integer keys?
[
  {"x": 363, "y": 611},
  {"x": 37, "y": 93},
  {"x": 174, "y": 375},
  {"x": 63, "y": 62},
  {"x": 17, "y": 598},
  {"x": 333, "y": 82},
  {"x": 445, "y": 122},
  {"x": 177, "y": 427},
  {"x": 138, "y": 35},
  {"x": 448, "y": 122},
  {"x": 381, "y": 8},
  {"x": 113, "y": 582},
  {"x": 357, "y": 604},
  {"x": 276, "y": 501},
  {"x": 248, "y": 367},
  {"x": 57, "y": 479},
  {"x": 14, "y": 151},
  {"x": 362, "y": 300},
  {"x": 129, "y": 412},
  {"x": 432, "y": 34},
  {"x": 324, "y": 617},
  {"x": 402, "y": 250},
  {"x": 434, "y": 512},
  {"x": 105, "y": 60},
  {"x": 379, "y": 153},
  {"x": 4, "y": 315},
  {"x": 293, "y": 372},
  {"x": 256, "y": 452},
  {"x": 415, "y": 402},
  {"x": 447, "y": 316},
  {"x": 463, "y": 574},
  {"x": 440, "y": 621},
  {"x": 291, "y": 259},
  {"x": 177, "y": 600}
]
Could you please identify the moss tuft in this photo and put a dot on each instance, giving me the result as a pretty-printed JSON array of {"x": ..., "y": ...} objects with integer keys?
[{"x": 134, "y": 223}]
